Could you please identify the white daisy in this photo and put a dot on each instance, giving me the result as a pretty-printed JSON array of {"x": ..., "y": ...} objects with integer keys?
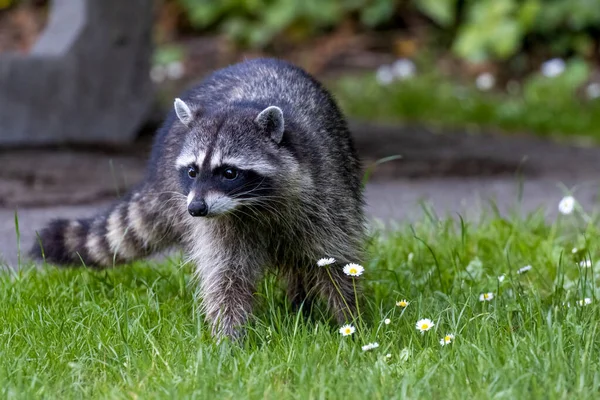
[
  {"x": 566, "y": 205},
  {"x": 586, "y": 264},
  {"x": 370, "y": 346},
  {"x": 424, "y": 324},
  {"x": 403, "y": 68},
  {"x": 593, "y": 90},
  {"x": 449, "y": 338},
  {"x": 175, "y": 70},
  {"x": 524, "y": 269},
  {"x": 354, "y": 269},
  {"x": 384, "y": 75},
  {"x": 347, "y": 330},
  {"x": 486, "y": 296},
  {"x": 388, "y": 355},
  {"x": 584, "y": 302},
  {"x": 501, "y": 278},
  {"x": 485, "y": 81},
  {"x": 387, "y": 321},
  {"x": 158, "y": 73},
  {"x": 402, "y": 303},
  {"x": 325, "y": 261},
  {"x": 553, "y": 67}
]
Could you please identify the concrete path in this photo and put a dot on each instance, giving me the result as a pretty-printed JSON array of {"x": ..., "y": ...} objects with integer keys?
[{"x": 398, "y": 200}]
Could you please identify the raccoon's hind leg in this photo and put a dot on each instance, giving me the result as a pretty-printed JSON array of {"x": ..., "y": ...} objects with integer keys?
[
  {"x": 296, "y": 290},
  {"x": 130, "y": 229}
]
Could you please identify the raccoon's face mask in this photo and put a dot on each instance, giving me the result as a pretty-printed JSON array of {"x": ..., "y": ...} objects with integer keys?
[{"x": 233, "y": 166}]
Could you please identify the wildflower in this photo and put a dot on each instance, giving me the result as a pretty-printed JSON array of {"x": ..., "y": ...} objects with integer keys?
[
  {"x": 403, "y": 68},
  {"x": 405, "y": 354},
  {"x": 388, "y": 355},
  {"x": 157, "y": 73},
  {"x": 593, "y": 90},
  {"x": 486, "y": 296},
  {"x": 575, "y": 250},
  {"x": 370, "y": 346},
  {"x": 387, "y": 321},
  {"x": 584, "y": 302},
  {"x": 424, "y": 325},
  {"x": 566, "y": 205},
  {"x": 402, "y": 303},
  {"x": 384, "y": 75},
  {"x": 586, "y": 264},
  {"x": 347, "y": 330},
  {"x": 325, "y": 261},
  {"x": 524, "y": 269},
  {"x": 553, "y": 68},
  {"x": 447, "y": 339},
  {"x": 353, "y": 269},
  {"x": 485, "y": 81},
  {"x": 174, "y": 70},
  {"x": 501, "y": 278}
]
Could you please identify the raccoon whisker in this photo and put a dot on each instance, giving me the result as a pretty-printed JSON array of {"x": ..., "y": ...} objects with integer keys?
[
  {"x": 239, "y": 192},
  {"x": 281, "y": 217}
]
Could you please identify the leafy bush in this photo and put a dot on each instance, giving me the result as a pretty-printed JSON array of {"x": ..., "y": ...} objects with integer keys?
[
  {"x": 479, "y": 29},
  {"x": 497, "y": 29},
  {"x": 257, "y": 22}
]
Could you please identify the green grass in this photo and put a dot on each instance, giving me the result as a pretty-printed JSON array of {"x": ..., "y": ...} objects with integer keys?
[
  {"x": 133, "y": 332},
  {"x": 543, "y": 106}
]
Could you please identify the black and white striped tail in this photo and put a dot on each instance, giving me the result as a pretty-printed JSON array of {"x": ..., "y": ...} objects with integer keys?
[{"x": 128, "y": 230}]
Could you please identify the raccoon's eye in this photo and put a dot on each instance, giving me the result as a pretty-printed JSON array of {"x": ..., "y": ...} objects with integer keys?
[
  {"x": 230, "y": 173},
  {"x": 192, "y": 172}
]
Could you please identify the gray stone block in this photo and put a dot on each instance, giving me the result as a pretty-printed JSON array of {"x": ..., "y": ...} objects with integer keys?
[{"x": 85, "y": 81}]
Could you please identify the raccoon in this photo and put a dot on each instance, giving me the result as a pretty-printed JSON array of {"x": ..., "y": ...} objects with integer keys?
[{"x": 253, "y": 170}]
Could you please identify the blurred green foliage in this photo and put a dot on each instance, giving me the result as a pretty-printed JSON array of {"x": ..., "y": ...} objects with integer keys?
[
  {"x": 479, "y": 29},
  {"x": 256, "y": 23},
  {"x": 497, "y": 29},
  {"x": 542, "y": 105}
]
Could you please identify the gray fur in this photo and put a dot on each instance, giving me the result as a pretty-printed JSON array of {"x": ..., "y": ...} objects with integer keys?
[{"x": 300, "y": 197}]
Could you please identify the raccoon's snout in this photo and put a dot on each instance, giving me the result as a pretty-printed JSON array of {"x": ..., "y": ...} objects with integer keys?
[{"x": 198, "y": 208}]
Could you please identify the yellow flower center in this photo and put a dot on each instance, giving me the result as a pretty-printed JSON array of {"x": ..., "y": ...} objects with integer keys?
[
  {"x": 424, "y": 326},
  {"x": 486, "y": 296},
  {"x": 348, "y": 330},
  {"x": 447, "y": 339}
]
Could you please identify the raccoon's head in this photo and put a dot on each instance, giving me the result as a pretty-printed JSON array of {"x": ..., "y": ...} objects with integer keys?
[{"x": 231, "y": 158}]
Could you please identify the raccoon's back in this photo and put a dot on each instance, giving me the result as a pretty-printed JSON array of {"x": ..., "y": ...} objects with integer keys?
[{"x": 265, "y": 82}]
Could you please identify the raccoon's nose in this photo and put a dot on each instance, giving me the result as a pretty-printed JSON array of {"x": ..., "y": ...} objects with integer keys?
[{"x": 198, "y": 208}]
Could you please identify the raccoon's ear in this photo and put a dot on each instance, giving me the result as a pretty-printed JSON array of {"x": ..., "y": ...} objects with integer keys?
[
  {"x": 183, "y": 111},
  {"x": 271, "y": 120}
]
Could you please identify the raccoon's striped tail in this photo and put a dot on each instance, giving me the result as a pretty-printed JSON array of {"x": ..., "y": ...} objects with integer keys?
[{"x": 130, "y": 229}]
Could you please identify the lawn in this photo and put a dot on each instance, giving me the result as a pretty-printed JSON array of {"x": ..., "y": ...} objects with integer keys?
[{"x": 133, "y": 332}]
